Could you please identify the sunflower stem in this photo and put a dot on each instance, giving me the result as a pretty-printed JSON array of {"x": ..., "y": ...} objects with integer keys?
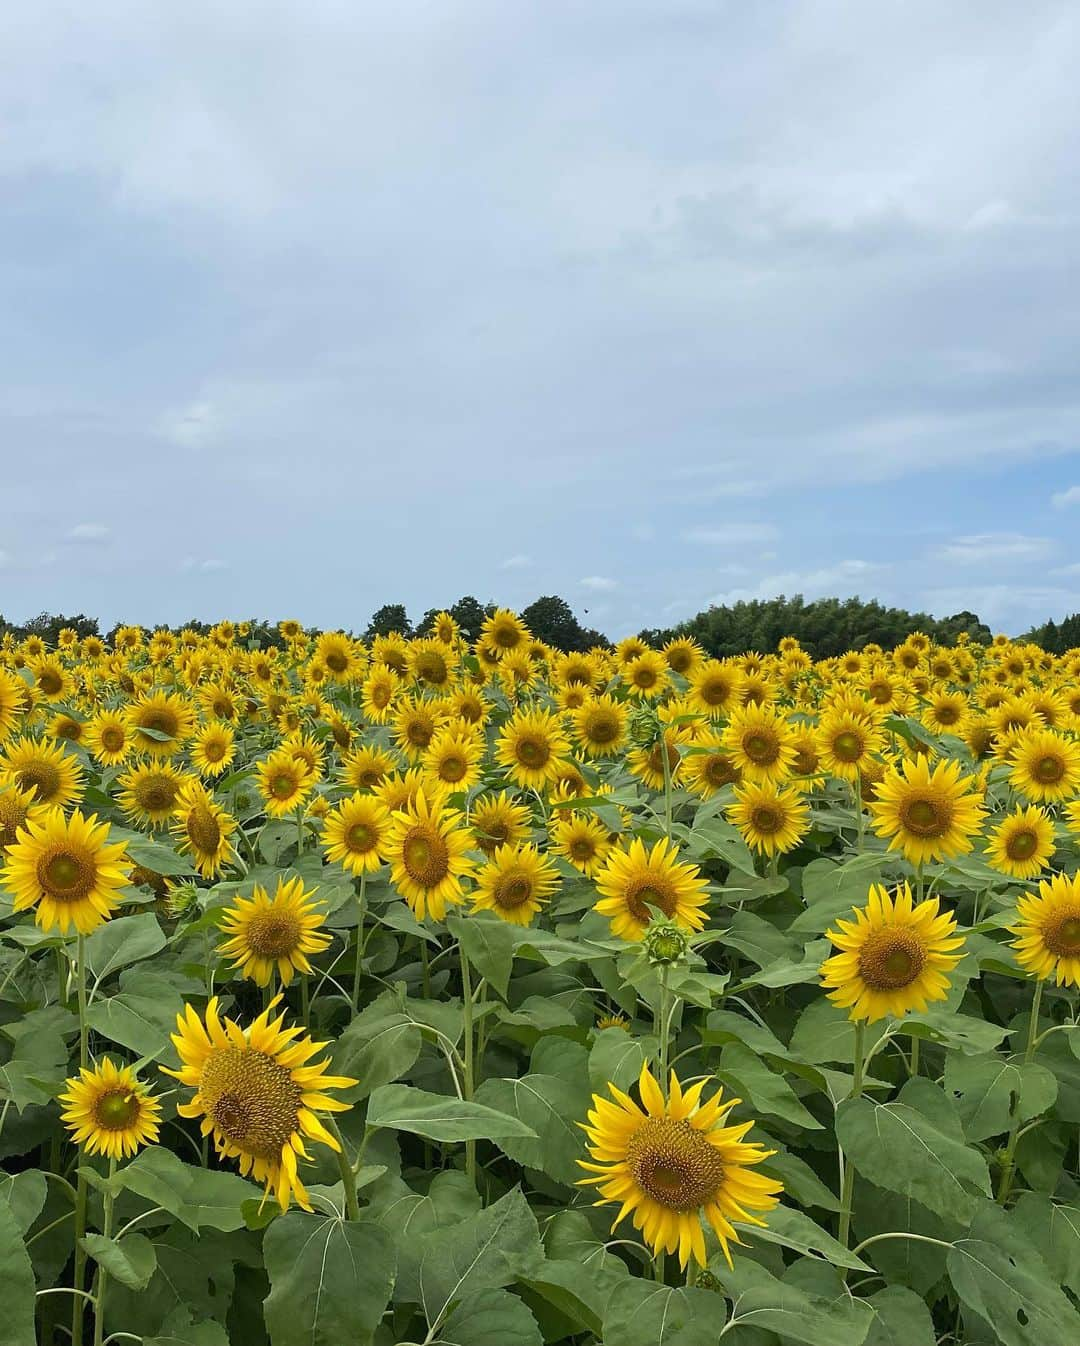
[
  {"x": 299, "y": 832},
  {"x": 664, "y": 1027},
  {"x": 103, "y": 1275},
  {"x": 469, "y": 1071},
  {"x": 361, "y": 903},
  {"x": 856, "y": 790},
  {"x": 305, "y": 1004},
  {"x": 425, "y": 968},
  {"x": 348, "y": 1177},
  {"x": 1008, "y": 1163},
  {"x": 847, "y": 1192},
  {"x": 79, "y": 1270},
  {"x": 667, "y": 781},
  {"x": 914, "y": 1055}
]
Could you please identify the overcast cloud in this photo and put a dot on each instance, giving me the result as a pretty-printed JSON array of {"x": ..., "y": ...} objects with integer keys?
[{"x": 315, "y": 306}]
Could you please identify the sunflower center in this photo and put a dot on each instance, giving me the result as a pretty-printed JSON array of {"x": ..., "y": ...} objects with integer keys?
[
  {"x": 336, "y": 662},
  {"x": 582, "y": 849},
  {"x": 947, "y": 714},
  {"x": 674, "y": 1163},
  {"x": 41, "y": 777},
  {"x": 1049, "y": 770},
  {"x": 891, "y": 959},
  {"x": 1021, "y": 846},
  {"x": 1062, "y": 935},
  {"x": 847, "y": 746},
  {"x": 767, "y": 820},
  {"x": 679, "y": 660},
  {"x": 273, "y": 934},
  {"x": 602, "y": 728},
  {"x": 925, "y": 817},
  {"x": 431, "y": 667},
  {"x": 719, "y": 771},
  {"x": 112, "y": 739},
  {"x": 512, "y": 891},
  {"x": 652, "y": 891},
  {"x": 66, "y": 876},
  {"x": 381, "y": 694},
  {"x": 50, "y": 682},
  {"x": 656, "y": 758},
  {"x": 426, "y": 856},
  {"x": 419, "y": 732},
  {"x": 533, "y": 752},
  {"x": 214, "y": 750},
  {"x": 453, "y": 768},
  {"x": 506, "y": 636},
  {"x": 163, "y": 721},
  {"x": 283, "y": 786},
  {"x": 761, "y": 748},
  {"x": 252, "y": 1099},
  {"x": 156, "y": 794},
  {"x": 203, "y": 830},
  {"x": 714, "y": 691},
  {"x": 116, "y": 1110},
  {"x": 360, "y": 837},
  {"x": 644, "y": 677}
]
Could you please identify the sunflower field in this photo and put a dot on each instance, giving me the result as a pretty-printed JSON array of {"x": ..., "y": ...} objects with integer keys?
[{"x": 444, "y": 993}]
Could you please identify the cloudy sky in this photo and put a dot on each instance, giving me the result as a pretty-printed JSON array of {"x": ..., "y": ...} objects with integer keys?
[{"x": 312, "y": 306}]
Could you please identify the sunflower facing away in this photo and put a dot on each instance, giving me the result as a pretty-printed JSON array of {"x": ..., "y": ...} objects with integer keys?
[
  {"x": 1047, "y": 930},
  {"x": 108, "y": 1111},
  {"x": 1022, "y": 843},
  {"x": 268, "y": 933},
  {"x": 893, "y": 957},
  {"x": 635, "y": 879},
  {"x": 515, "y": 883},
  {"x": 773, "y": 820},
  {"x": 355, "y": 832},
  {"x": 929, "y": 813},
  {"x": 256, "y": 1094},
  {"x": 427, "y": 848},
  {"x": 66, "y": 869},
  {"x": 669, "y": 1163}
]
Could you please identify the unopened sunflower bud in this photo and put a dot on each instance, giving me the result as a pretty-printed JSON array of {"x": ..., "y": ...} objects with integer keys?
[
  {"x": 182, "y": 900},
  {"x": 644, "y": 726},
  {"x": 666, "y": 942}
]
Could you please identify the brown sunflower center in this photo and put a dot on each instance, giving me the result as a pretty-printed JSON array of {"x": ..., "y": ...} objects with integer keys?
[
  {"x": 601, "y": 727},
  {"x": 50, "y": 681},
  {"x": 674, "y": 1163},
  {"x": 947, "y": 714},
  {"x": 650, "y": 890},
  {"x": 761, "y": 747},
  {"x": 505, "y": 635},
  {"x": 66, "y": 875},
  {"x": 360, "y": 838},
  {"x": 204, "y": 830},
  {"x": 1061, "y": 934},
  {"x": 656, "y": 758},
  {"x": 679, "y": 660},
  {"x": 891, "y": 959},
  {"x": 926, "y": 817},
  {"x": 719, "y": 771},
  {"x": 252, "y": 1099},
  {"x": 156, "y": 794},
  {"x": 163, "y": 721},
  {"x": 644, "y": 677},
  {"x": 848, "y": 746},
  {"x": 583, "y": 849},
  {"x": 116, "y": 1110},
  {"x": 214, "y": 749},
  {"x": 112, "y": 739},
  {"x": 453, "y": 768},
  {"x": 533, "y": 752},
  {"x": 273, "y": 934},
  {"x": 419, "y": 731},
  {"x": 431, "y": 667},
  {"x": 425, "y": 855},
  {"x": 41, "y": 777},
  {"x": 513, "y": 890},
  {"x": 337, "y": 662},
  {"x": 1049, "y": 770},
  {"x": 767, "y": 819},
  {"x": 714, "y": 691},
  {"x": 284, "y": 785},
  {"x": 1021, "y": 845}
]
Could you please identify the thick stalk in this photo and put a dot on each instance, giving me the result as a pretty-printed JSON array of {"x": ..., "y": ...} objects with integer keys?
[
  {"x": 1008, "y": 1163},
  {"x": 299, "y": 832},
  {"x": 305, "y": 1005},
  {"x": 78, "y": 1310},
  {"x": 667, "y": 782},
  {"x": 469, "y": 1081},
  {"x": 847, "y": 1192},
  {"x": 103, "y": 1275},
  {"x": 663, "y": 1027},
  {"x": 361, "y": 904},
  {"x": 348, "y": 1177},
  {"x": 856, "y": 790}
]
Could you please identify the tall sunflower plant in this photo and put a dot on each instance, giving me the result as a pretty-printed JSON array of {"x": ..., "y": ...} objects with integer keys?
[{"x": 455, "y": 988}]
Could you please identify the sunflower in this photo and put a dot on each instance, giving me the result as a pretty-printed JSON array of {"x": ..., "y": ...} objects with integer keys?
[
  {"x": 218, "y": 702},
  {"x": 108, "y": 737},
  {"x": 708, "y": 767},
  {"x": 453, "y": 757},
  {"x": 268, "y": 933},
  {"x": 366, "y": 767},
  {"x": 467, "y": 704},
  {"x": 169, "y": 719},
  {"x": 66, "y": 727},
  {"x": 12, "y": 702},
  {"x": 504, "y": 632},
  {"x": 684, "y": 655},
  {"x": 1022, "y": 843},
  {"x": 149, "y": 792},
  {"x": 714, "y": 687},
  {"x": 893, "y": 957},
  {"x": 392, "y": 651},
  {"x": 772, "y": 819},
  {"x": 201, "y": 828},
  {"x": 634, "y": 879},
  {"x": 929, "y": 813},
  {"x": 499, "y": 820},
  {"x": 947, "y": 713},
  {"x": 582, "y": 839},
  {"x": 66, "y": 869},
  {"x": 415, "y": 721},
  {"x": 432, "y": 663},
  {"x": 1047, "y": 930},
  {"x": 256, "y": 1095},
  {"x": 599, "y": 726},
  {"x": 647, "y": 675},
  {"x": 399, "y": 789},
  {"x": 51, "y": 678},
  {"x": 846, "y": 742},
  {"x": 760, "y": 742},
  {"x": 109, "y": 1111},
  {"x": 16, "y": 806},
  {"x": 379, "y": 690},
  {"x": 669, "y": 1163},
  {"x": 515, "y": 883},
  {"x": 530, "y": 745},
  {"x": 213, "y": 748},
  {"x": 1046, "y": 766},
  {"x": 427, "y": 847},
  {"x": 807, "y": 773},
  {"x": 284, "y": 782},
  {"x": 53, "y": 776},
  {"x": 340, "y": 655},
  {"x": 355, "y": 832}
]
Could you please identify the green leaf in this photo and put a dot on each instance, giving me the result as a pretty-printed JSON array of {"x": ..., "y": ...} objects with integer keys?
[
  {"x": 131, "y": 1260},
  {"x": 122, "y": 941},
  {"x": 792, "y": 1229},
  {"x": 791, "y": 1310},
  {"x": 914, "y": 1146},
  {"x": 985, "y": 1087},
  {"x": 1054, "y": 1232},
  {"x": 157, "y": 857},
  {"x": 962, "y": 1031},
  {"x": 399, "y": 1107},
  {"x": 640, "y": 1313},
  {"x": 198, "y": 1197},
  {"x": 550, "y": 1106},
  {"x": 378, "y": 1046},
  {"x": 760, "y": 940},
  {"x": 490, "y": 1318},
  {"x": 330, "y": 1280},
  {"x": 767, "y": 1091},
  {"x": 901, "y": 1318},
  {"x": 832, "y": 890},
  {"x": 17, "y": 1288},
  {"x": 139, "y": 1023},
  {"x": 489, "y": 944},
  {"x": 823, "y": 1033},
  {"x": 25, "y": 1193},
  {"x": 187, "y": 1333},
  {"x": 616, "y": 1058}
]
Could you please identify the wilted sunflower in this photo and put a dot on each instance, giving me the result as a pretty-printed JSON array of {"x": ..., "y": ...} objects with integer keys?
[
  {"x": 169, "y": 718},
  {"x": 66, "y": 870},
  {"x": 929, "y": 813},
  {"x": 213, "y": 748},
  {"x": 1046, "y": 766},
  {"x": 256, "y": 1095},
  {"x": 148, "y": 792},
  {"x": 53, "y": 776},
  {"x": 669, "y": 1163},
  {"x": 1047, "y": 930},
  {"x": 355, "y": 832},
  {"x": 529, "y": 747},
  {"x": 772, "y": 819},
  {"x": 498, "y": 820},
  {"x": 634, "y": 879},
  {"x": 268, "y": 933},
  {"x": 760, "y": 742},
  {"x": 426, "y": 847},
  {"x": 454, "y": 756},
  {"x": 108, "y": 737},
  {"x": 515, "y": 883},
  {"x": 201, "y": 828},
  {"x": 108, "y": 1111},
  {"x": 846, "y": 742},
  {"x": 893, "y": 957},
  {"x": 284, "y": 782},
  {"x": 600, "y": 726},
  {"x": 1022, "y": 843}
]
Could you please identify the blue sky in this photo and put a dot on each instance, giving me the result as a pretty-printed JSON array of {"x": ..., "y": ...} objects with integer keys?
[{"x": 315, "y": 306}]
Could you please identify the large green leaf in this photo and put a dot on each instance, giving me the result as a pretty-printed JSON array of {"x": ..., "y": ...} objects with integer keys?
[
  {"x": 379, "y": 1046},
  {"x": 986, "y": 1085},
  {"x": 642, "y": 1313},
  {"x": 399, "y": 1107},
  {"x": 769, "y": 1094},
  {"x": 122, "y": 941},
  {"x": 489, "y": 944},
  {"x": 139, "y": 1023},
  {"x": 551, "y": 1107},
  {"x": 330, "y": 1280},
  {"x": 16, "y": 1284},
  {"x": 831, "y": 890},
  {"x": 25, "y": 1193},
  {"x": 1053, "y": 1230},
  {"x": 130, "y": 1260},
  {"x": 901, "y": 1318},
  {"x": 792, "y": 1229},
  {"x": 795, "y": 1311},
  {"x": 199, "y": 1197},
  {"x": 490, "y": 1318}
]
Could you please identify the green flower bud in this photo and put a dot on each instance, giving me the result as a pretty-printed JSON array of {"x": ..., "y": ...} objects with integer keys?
[{"x": 666, "y": 942}]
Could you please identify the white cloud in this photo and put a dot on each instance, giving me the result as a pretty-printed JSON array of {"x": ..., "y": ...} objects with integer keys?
[
  {"x": 983, "y": 548},
  {"x": 206, "y": 567},
  {"x": 598, "y": 582},
  {"x": 90, "y": 532},
  {"x": 189, "y": 426},
  {"x": 730, "y": 535},
  {"x": 518, "y": 562},
  {"x": 1062, "y": 499},
  {"x": 1011, "y": 607}
]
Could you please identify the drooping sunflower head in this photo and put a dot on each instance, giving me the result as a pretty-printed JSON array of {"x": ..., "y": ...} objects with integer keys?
[
  {"x": 108, "y": 1111},
  {"x": 1022, "y": 843},
  {"x": 530, "y": 746},
  {"x": 515, "y": 883},
  {"x": 52, "y": 775},
  {"x": 772, "y": 819},
  {"x": 1046, "y": 766},
  {"x": 202, "y": 829},
  {"x": 894, "y": 957},
  {"x": 427, "y": 848},
  {"x": 354, "y": 833},
  {"x": 268, "y": 934},
  {"x": 66, "y": 870},
  {"x": 928, "y": 813},
  {"x": 669, "y": 1162},
  {"x": 635, "y": 880},
  {"x": 284, "y": 782},
  {"x": 1047, "y": 930},
  {"x": 256, "y": 1094}
]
